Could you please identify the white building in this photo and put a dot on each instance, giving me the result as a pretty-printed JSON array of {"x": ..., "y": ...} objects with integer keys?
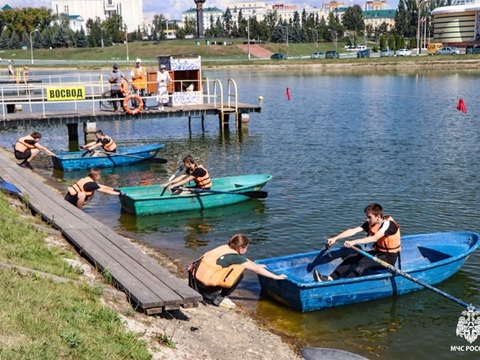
[
  {"x": 259, "y": 10},
  {"x": 209, "y": 14},
  {"x": 131, "y": 11}
]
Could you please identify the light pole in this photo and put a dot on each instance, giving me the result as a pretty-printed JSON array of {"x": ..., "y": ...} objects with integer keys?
[
  {"x": 334, "y": 32},
  {"x": 419, "y": 4},
  {"x": 126, "y": 42},
  {"x": 248, "y": 37},
  {"x": 315, "y": 38},
  {"x": 31, "y": 45}
]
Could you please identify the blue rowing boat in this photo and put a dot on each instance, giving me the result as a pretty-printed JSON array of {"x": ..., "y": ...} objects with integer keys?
[
  {"x": 149, "y": 200},
  {"x": 78, "y": 160},
  {"x": 431, "y": 258}
]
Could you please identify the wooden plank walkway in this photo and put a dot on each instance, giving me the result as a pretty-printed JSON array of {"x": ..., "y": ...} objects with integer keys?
[{"x": 148, "y": 286}]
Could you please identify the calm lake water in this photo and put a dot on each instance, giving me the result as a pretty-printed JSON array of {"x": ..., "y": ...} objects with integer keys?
[{"x": 341, "y": 142}]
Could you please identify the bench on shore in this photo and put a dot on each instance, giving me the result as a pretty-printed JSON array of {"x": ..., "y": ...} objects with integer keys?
[{"x": 149, "y": 287}]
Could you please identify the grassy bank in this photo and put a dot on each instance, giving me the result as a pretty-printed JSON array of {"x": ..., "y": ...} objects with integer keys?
[
  {"x": 212, "y": 55},
  {"x": 43, "y": 319}
]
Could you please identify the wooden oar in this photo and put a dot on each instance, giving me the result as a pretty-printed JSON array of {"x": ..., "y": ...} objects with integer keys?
[
  {"x": 252, "y": 194},
  {"x": 411, "y": 278},
  {"x": 154, "y": 159},
  {"x": 180, "y": 168},
  {"x": 316, "y": 261}
]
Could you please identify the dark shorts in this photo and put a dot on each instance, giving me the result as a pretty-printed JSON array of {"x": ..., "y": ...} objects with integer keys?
[
  {"x": 72, "y": 199},
  {"x": 23, "y": 155}
]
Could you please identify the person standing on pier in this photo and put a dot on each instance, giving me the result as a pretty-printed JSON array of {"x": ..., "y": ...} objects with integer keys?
[
  {"x": 163, "y": 80},
  {"x": 28, "y": 147},
  {"x": 11, "y": 70},
  {"x": 103, "y": 141},
  {"x": 139, "y": 81},
  {"x": 83, "y": 190},
  {"x": 115, "y": 79}
]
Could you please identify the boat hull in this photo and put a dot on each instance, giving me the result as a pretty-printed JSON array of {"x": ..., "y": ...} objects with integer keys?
[
  {"x": 431, "y": 258},
  {"x": 124, "y": 156},
  {"x": 149, "y": 200}
]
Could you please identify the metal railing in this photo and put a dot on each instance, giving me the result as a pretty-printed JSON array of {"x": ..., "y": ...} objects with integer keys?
[{"x": 33, "y": 91}]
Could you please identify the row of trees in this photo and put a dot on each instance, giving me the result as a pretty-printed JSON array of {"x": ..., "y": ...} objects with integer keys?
[{"x": 19, "y": 25}]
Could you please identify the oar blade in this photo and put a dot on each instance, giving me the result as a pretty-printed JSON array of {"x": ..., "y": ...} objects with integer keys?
[{"x": 254, "y": 194}]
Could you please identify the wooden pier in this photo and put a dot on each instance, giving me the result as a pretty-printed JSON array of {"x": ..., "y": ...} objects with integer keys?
[
  {"x": 77, "y": 116},
  {"x": 148, "y": 286}
]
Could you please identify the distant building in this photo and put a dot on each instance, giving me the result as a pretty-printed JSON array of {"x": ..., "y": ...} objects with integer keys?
[
  {"x": 378, "y": 17},
  {"x": 209, "y": 14},
  {"x": 79, "y": 11},
  {"x": 457, "y": 23}
]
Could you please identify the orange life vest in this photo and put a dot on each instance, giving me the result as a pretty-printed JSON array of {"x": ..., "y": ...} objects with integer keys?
[
  {"x": 203, "y": 182},
  {"x": 212, "y": 274},
  {"x": 22, "y": 146},
  {"x": 79, "y": 187},
  {"x": 141, "y": 82},
  {"x": 124, "y": 87},
  {"x": 110, "y": 146},
  {"x": 388, "y": 244}
]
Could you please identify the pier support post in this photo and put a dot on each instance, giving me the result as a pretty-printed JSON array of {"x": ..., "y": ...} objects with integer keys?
[
  {"x": 72, "y": 132},
  {"x": 89, "y": 129}
]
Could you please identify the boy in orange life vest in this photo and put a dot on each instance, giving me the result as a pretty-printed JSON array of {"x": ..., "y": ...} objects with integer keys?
[
  {"x": 104, "y": 141},
  {"x": 218, "y": 272},
  {"x": 28, "y": 147},
  {"x": 197, "y": 173},
  {"x": 83, "y": 190},
  {"x": 382, "y": 231}
]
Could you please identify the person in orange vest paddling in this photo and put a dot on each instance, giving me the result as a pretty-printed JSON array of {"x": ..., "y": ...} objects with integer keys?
[
  {"x": 83, "y": 190},
  {"x": 103, "y": 141},
  {"x": 382, "y": 231},
  {"x": 218, "y": 272},
  {"x": 28, "y": 147}
]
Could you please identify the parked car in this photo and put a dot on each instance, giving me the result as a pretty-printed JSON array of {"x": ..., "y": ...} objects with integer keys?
[
  {"x": 386, "y": 53},
  {"x": 332, "y": 54},
  {"x": 317, "y": 55},
  {"x": 278, "y": 56},
  {"x": 403, "y": 52},
  {"x": 449, "y": 50},
  {"x": 363, "y": 53},
  {"x": 472, "y": 49}
]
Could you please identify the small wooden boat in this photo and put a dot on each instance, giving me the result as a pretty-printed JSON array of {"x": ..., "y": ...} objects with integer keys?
[
  {"x": 431, "y": 258},
  {"x": 148, "y": 200},
  {"x": 124, "y": 156}
]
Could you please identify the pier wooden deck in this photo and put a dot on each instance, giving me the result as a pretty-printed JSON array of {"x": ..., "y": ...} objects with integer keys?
[
  {"x": 148, "y": 286},
  {"x": 74, "y": 116}
]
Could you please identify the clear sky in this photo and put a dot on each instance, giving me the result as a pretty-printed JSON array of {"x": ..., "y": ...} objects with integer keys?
[{"x": 173, "y": 9}]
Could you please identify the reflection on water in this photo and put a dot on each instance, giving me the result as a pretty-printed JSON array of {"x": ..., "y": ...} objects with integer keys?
[
  {"x": 341, "y": 142},
  {"x": 195, "y": 226}
]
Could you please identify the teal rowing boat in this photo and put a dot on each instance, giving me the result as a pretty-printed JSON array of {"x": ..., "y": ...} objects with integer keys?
[{"x": 148, "y": 200}]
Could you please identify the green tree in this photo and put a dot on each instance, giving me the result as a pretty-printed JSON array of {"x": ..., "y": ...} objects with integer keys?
[
  {"x": 95, "y": 32},
  {"x": 391, "y": 42},
  {"x": 81, "y": 39},
  {"x": 353, "y": 19},
  {"x": 227, "y": 21},
  {"x": 112, "y": 30},
  {"x": 14, "y": 41}
]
